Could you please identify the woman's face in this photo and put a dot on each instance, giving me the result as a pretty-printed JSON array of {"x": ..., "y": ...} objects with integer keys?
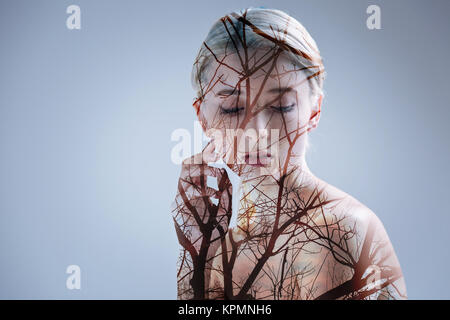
[{"x": 258, "y": 115}]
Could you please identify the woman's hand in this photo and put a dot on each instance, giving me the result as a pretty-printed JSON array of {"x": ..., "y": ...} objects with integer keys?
[{"x": 201, "y": 217}]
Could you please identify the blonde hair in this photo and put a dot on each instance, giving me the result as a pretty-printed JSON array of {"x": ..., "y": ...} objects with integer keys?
[{"x": 263, "y": 28}]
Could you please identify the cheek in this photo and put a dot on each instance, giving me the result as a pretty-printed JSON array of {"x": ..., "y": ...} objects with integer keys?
[
  {"x": 287, "y": 122},
  {"x": 294, "y": 124},
  {"x": 298, "y": 120}
]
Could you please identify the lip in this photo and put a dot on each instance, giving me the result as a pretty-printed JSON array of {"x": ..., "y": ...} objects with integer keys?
[{"x": 258, "y": 159}]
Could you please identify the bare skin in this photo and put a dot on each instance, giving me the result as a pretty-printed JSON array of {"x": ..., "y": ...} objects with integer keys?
[
  {"x": 297, "y": 237},
  {"x": 305, "y": 267}
]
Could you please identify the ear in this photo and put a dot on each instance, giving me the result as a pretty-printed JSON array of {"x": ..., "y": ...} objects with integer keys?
[
  {"x": 197, "y": 103},
  {"x": 315, "y": 114}
]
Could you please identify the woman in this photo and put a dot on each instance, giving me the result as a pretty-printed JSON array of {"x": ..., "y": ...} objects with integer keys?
[{"x": 259, "y": 81}]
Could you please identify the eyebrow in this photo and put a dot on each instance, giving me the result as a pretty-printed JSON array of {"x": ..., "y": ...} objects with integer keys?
[
  {"x": 281, "y": 90},
  {"x": 229, "y": 92}
]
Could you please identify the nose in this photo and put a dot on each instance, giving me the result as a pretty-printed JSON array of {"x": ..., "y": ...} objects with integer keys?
[{"x": 260, "y": 122}]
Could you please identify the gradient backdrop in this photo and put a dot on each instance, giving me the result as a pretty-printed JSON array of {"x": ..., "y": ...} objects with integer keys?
[{"x": 86, "y": 118}]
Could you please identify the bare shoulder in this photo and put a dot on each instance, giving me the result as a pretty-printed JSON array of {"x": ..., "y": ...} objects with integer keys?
[
  {"x": 358, "y": 242},
  {"x": 348, "y": 218},
  {"x": 340, "y": 205}
]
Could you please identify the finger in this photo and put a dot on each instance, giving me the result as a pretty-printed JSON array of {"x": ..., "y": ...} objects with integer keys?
[
  {"x": 205, "y": 192},
  {"x": 201, "y": 182},
  {"x": 207, "y": 155},
  {"x": 202, "y": 170}
]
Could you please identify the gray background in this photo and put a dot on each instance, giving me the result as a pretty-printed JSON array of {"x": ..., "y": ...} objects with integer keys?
[{"x": 86, "y": 117}]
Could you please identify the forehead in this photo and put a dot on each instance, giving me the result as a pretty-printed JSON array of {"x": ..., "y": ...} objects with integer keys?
[{"x": 264, "y": 71}]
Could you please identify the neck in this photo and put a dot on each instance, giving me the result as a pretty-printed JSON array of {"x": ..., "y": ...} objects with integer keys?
[
  {"x": 297, "y": 173},
  {"x": 299, "y": 164}
]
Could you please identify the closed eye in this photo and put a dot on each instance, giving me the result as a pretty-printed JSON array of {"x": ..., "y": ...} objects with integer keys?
[
  {"x": 231, "y": 111},
  {"x": 283, "y": 109}
]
